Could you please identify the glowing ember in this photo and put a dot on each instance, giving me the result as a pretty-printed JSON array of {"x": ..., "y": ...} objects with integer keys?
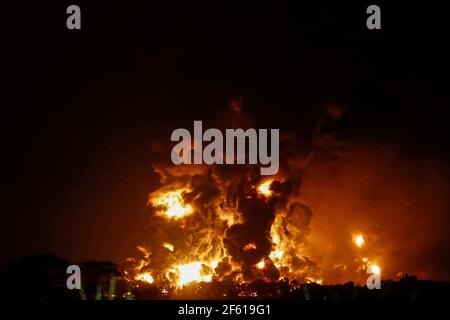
[
  {"x": 249, "y": 246},
  {"x": 260, "y": 265},
  {"x": 146, "y": 277},
  {"x": 359, "y": 240},
  {"x": 264, "y": 188},
  {"x": 173, "y": 204},
  {"x": 191, "y": 272},
  {"x": 168, "y": 246}
]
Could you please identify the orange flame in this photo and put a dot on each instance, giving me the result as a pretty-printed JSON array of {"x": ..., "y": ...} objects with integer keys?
[
  {"x": 264, "y": 188},
  {"x": 192, "y": 272},
  {"x": 146, "y": 277},
  {"x": 173, "y": 204},
  {"x": 249, "y": 246},
  {"x": 168, "y": 246},
  {"x": 359, "y": 240}
]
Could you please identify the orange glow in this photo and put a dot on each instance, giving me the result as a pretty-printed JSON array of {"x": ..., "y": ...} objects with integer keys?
[
  {"x": 314, "y": 280},
  {"x": 168, "y": 246},
  {"x": 173, "y": 204},
  {"x": 261, "y": 265},
  {"x": 276, "y": 254},
  {"x": 146, "y": 277},
  {"x": 359, "y": 240},
  {"x": 191, "y": 272},
  {"x": 264, "y": 188},
  {"x": 375, "y": 269},
  {"x": 250, "y": 246}
]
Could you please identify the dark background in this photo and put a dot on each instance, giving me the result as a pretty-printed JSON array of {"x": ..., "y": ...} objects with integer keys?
[{"x": 81, "y": 108}]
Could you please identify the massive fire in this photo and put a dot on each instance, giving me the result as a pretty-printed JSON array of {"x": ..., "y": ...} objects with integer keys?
[
  {"x": 208, "y": 252},
  {"x": 207, "y": 223},
  {"x": 202, "y": 241}
]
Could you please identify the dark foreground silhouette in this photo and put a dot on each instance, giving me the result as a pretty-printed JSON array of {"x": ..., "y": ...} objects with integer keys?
[{"x": 44, "y": 278}]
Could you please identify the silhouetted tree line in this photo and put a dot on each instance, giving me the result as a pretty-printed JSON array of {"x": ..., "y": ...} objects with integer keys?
[{"x": 44, "y": 278}]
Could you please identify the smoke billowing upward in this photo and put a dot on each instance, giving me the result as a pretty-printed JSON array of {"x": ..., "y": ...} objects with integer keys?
[{"x": 229, "y": 222}]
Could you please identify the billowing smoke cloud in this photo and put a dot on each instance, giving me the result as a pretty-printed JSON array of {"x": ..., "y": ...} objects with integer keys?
[{"x": 227, "y": 224}]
